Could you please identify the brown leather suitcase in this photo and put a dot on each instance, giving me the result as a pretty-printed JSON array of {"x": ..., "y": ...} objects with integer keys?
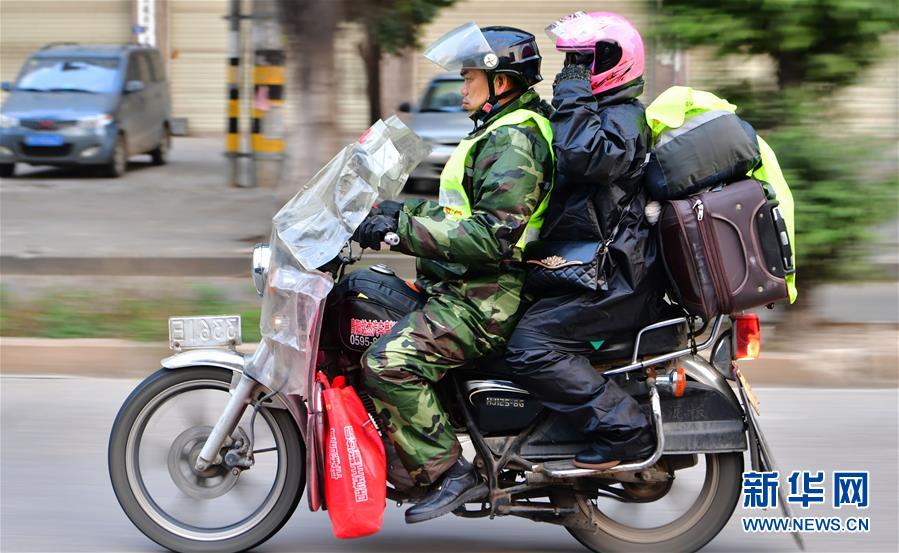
[{"x": 725, "y": 250}]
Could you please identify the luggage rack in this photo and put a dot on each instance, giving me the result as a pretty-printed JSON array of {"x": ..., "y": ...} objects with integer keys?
[{"x": 637, "y": 365}]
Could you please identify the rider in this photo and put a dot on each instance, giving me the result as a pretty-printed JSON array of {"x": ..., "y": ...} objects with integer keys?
[
  {"x": 601, "y": 140},
  {"x": 493, "y": 192}
]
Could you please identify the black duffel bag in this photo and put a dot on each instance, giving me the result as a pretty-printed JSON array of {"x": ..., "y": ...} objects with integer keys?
[{"x": 709, "y": 149}]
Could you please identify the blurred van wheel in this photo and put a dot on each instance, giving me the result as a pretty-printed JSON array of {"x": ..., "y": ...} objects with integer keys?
[
  {"x": 119, "y": 162},
  {"x": 161, "y": 154},
  {"x": 7, "y": 170}
]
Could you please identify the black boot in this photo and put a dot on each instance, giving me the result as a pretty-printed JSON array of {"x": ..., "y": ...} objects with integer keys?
[
  {"x": 601, "y": 455},
  {"x": 460, "y": 484}
]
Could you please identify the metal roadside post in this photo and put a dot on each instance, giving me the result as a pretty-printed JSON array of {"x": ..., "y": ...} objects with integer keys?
[
  {"x": 268, "y": 94},
  {"x": 239, "y": 174},
  {"x": 232, "y": 121}
]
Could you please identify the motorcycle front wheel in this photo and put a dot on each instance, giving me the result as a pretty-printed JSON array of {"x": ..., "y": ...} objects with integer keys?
[
  {"x": 154, "y": 444},
  {"x": 689, "y": 513}
]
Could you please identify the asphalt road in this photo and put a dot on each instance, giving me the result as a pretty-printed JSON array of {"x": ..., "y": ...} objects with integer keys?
[{"x": 56, "y": 494}]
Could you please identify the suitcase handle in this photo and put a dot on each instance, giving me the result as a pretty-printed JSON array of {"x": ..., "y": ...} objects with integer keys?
[{"x": 783, "y": 239}]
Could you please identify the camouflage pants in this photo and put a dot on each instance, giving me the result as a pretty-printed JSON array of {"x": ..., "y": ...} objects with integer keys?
[{"x": 401, "y": 367}]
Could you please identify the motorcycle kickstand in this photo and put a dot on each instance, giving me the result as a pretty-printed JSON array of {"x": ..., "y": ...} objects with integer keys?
[{"x": 226, "y": 424}]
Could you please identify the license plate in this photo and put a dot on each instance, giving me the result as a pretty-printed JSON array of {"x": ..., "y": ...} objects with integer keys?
[
  {"x": 44, "y": 140},
  {"x": 204, "y": 332},
  {"x": 744, "y": 382}
]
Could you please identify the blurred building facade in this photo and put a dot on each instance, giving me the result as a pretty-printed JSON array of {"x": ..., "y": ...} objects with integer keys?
[{"x": 193, "y": 36}]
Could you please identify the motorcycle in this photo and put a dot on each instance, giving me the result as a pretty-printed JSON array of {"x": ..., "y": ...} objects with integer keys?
[{"x": 214, "y": 451}]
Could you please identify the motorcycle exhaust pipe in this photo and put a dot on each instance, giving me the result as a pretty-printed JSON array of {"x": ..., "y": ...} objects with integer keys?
[{"x": 226, "y": 424}]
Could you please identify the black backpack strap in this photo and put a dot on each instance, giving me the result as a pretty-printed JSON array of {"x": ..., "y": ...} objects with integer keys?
[{"x": 679, "y": 298}]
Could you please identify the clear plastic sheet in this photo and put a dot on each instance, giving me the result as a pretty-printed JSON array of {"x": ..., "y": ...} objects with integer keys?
[{"x": 311, "y": 230}]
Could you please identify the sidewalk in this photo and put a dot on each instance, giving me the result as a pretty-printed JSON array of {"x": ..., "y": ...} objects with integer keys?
[{"x": 178, "y": 220}]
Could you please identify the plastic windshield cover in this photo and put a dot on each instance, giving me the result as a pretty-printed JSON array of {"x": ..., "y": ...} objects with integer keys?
[
  {"x": 575, "y": 28},
  {"x": 311, "y": 230},
  {"x": 463, "y": 47}
]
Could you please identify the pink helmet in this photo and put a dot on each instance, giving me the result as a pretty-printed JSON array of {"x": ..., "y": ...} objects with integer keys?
[{"x": 606, "y": 39}]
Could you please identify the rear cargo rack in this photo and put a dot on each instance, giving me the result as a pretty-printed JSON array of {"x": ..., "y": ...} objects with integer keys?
[{"x": 637, "y": 365}]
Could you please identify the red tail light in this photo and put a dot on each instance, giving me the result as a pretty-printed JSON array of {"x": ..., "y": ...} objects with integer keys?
[{"x": 748, "y": 336}]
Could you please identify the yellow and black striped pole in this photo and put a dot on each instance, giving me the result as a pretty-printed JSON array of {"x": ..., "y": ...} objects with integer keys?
[
  {"x": 267, "y": 141},
  {"x": 268, "y": 88},
  {"x": 232, "y": 135}
]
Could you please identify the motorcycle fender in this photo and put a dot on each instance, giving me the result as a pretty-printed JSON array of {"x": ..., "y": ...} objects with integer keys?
[
  {"x": 701, "y": 371},
  {"x": 712, "y": 421},
  {"x": 234, "y": 361}
]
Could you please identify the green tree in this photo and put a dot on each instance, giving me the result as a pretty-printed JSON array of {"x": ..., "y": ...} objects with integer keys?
[
  {"x": 822, "y": 42},
  {"x": 841, "y": 186},
  {"x": 390, "y": 27},
  {"x": 311, "y": 28}
]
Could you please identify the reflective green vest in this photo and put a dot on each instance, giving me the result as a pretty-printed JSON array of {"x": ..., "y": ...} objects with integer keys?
[
  {"x": 679, "y": 103},
  {"x": 453, "y": 198}
]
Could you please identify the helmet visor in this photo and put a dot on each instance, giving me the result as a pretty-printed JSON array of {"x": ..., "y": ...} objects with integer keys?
[
  {"x": 463, "y": 48},
  {"x": 573, "y": 29}
]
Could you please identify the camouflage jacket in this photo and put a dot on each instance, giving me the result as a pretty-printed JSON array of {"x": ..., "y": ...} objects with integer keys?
[{"x": 506, "y": 177}]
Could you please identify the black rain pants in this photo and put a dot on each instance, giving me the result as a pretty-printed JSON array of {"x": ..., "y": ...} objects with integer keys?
[{"x": 548, "y": 355}]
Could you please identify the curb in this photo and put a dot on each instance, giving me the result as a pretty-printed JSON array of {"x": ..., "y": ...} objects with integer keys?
[
  {"x": 111, "y": 358},
  {"x": 108, "y": 358},
  {"x": 126, "y": 266},
  {"x": 221, "y": 266}
]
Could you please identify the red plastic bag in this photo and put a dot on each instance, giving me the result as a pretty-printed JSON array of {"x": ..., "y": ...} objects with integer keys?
[{"x": 355, "y": 465}]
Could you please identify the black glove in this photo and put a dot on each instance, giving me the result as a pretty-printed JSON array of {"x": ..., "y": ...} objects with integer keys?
[
  {"x": 574, "y": 71},
  {"x": 371, "y": 232},
  {"x": 389, "y": 208}
]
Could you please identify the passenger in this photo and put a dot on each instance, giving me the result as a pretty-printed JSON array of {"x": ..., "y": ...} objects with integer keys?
[{"x": 601, "y": 140}]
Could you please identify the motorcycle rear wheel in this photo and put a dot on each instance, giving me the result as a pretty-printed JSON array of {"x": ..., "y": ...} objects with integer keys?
[
  {"x": 690, "y": 531},
  {"x": 147, "y": 490}
]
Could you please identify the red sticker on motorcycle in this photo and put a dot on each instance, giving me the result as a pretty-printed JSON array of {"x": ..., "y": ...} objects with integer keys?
[{"x": 364, "y": 332}]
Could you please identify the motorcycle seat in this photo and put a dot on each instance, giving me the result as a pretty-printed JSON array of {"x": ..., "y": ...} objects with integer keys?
[{"x": 620, "y": 347}]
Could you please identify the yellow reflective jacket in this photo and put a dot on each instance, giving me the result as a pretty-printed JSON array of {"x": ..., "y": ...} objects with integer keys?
[{"x": 454, "y": 199}]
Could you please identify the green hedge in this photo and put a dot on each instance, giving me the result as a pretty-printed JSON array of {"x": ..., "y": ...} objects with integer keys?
[{"x": 87, "y": 314}]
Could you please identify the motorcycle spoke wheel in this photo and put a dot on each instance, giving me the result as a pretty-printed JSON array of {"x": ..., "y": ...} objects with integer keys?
[
  {"x": 698, "y": 504},
  {"x": 153, "y": 449}
]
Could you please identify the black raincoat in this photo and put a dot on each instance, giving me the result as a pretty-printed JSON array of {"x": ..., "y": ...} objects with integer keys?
[{"x": 601, "y": 144}]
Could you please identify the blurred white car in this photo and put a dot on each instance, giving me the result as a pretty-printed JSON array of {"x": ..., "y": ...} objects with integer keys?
[{"x": 440, "y": 120}]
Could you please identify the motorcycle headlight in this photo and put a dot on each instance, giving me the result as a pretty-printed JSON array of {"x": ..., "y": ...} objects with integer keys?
[
  {"x": 7, "y": 122},
  {"x": 95, "y": 121},
  {"x": 262, "y": 253}
]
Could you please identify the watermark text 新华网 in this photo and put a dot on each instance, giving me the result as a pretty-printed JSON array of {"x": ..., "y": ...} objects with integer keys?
[{"x": 844, "y": 489}]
